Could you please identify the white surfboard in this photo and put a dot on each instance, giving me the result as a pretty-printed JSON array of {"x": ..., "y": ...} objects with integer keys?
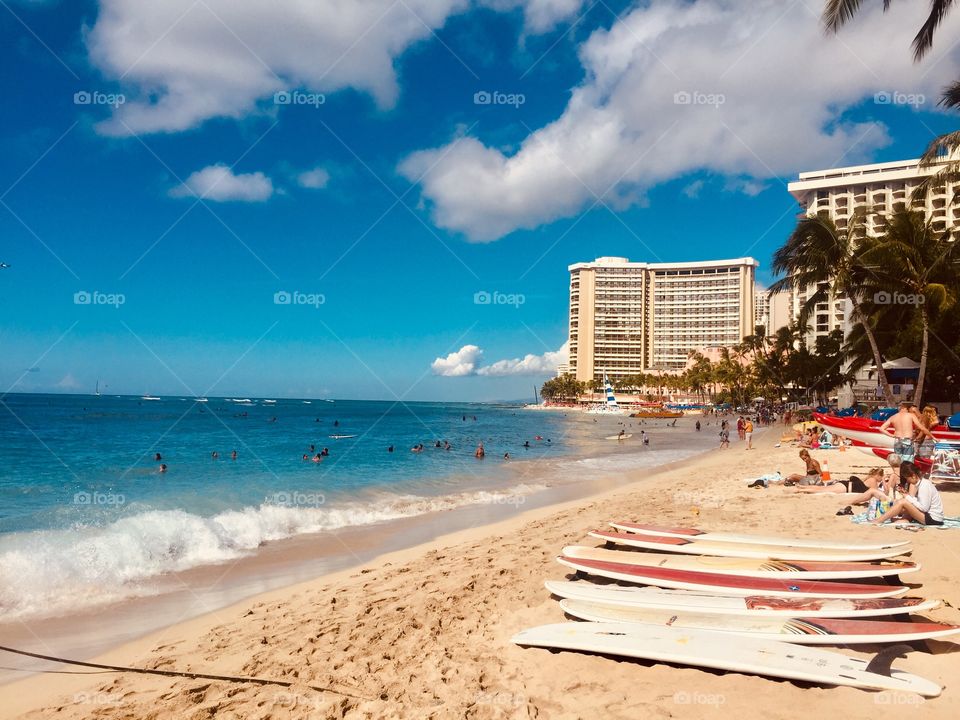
[
  {"x": 619, "y": 437},
  {"x": 743, "y": 550},
  {"x": 697, "y": 534},
  {"x": 808, "y": 570},
  {"x": 830, "y": 631},
  {"x": 751, "y": 606},
  {"x": 699, "y": 648}
]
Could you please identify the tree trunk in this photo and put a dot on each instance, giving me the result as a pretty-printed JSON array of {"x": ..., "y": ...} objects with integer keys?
[
  {"x": 877, "y": 358},
  {"x": 918, "y": 394}
]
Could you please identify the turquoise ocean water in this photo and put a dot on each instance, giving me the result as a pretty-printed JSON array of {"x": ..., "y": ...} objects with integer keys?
[{"x": 86, "y": 516}]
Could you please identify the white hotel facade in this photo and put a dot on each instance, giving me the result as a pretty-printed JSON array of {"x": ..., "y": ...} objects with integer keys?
[
  {"x": 876, "y": 188},
  {"x": 631, "y": 317}
]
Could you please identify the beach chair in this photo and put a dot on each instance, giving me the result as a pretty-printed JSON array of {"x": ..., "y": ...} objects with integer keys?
[{"x": 945, "y": 462}]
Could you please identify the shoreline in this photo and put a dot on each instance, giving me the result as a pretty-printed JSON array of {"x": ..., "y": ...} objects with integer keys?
[
  {"x": 450, "y": 605},
  {"x": 184, "y": 596}
]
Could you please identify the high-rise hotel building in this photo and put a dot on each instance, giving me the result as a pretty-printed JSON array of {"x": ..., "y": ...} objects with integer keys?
[
  {"x": 631, "y": 317},
  {"x": 876, "y": 188}
]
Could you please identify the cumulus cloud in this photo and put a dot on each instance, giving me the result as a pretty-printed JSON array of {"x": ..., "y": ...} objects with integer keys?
[
  {"x": 528, "y": 364},
  {"x": 315, "y": 179},
  {"x": 466, "y": 362},
  {"x": 457, "y": 364},
  {"x": 219, "y": 183},
  {"x": 749, "y": 89},
  {"x": 182, "y": 62},
  {"x": 67, "y": 382}
]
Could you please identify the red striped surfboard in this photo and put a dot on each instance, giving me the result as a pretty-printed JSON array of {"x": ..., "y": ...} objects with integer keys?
[
  {"x": 730, "y": 584},
  {"x": 698, "y": 534}
]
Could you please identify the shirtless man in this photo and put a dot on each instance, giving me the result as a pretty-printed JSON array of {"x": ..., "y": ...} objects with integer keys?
[{"x": 902, "y": 428}]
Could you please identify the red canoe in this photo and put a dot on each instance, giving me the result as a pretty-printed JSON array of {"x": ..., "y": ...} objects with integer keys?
[
  {"x": 865, "y": 431},
  {"x": 924, "y": 464}
]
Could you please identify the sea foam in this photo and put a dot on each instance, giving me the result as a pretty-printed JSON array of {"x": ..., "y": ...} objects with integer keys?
[{"x": 50, "y": 572}]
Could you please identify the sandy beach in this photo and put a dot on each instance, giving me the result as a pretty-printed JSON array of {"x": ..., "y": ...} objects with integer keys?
[{"x": 425, "y": 632}]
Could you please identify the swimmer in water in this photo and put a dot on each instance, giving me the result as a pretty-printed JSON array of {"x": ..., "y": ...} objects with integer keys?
[
  {"x": 305, "y": 457},
  {"x": 163, "y": 468},
  {"x": 325, "y": 453},
  {"x": 506, "y": 456},
  {"x": 479, "y": 452},
  {"x": 233, "y": 455},
  {"x": 215, "y": 455},
  {"x": 317, "y": 458},
  {"x": 157, "y": 457},
  {"x": 390, "y": 449}
]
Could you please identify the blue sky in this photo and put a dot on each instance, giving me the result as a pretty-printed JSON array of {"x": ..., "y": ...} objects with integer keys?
[{"x": 398, "y": 198}]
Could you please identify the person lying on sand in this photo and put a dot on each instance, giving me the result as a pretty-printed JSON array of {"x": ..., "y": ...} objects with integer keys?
[
  {"x": 921, "y": 503},
  {"x": 811, "y": 476}
]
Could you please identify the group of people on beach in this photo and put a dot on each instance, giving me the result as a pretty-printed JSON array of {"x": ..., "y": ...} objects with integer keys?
[
  {"x": 744, "y": 432},
  {"x": 900, "y": 492}
]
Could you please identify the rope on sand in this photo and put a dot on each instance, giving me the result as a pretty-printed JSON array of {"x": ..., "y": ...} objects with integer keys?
[{"x": 177, "y": 673}]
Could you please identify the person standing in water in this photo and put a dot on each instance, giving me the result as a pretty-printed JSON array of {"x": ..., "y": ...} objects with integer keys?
[{"x": 479, "y": 453}]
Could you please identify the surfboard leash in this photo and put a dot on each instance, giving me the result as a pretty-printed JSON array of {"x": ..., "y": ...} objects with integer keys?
[{"x": 177, "y": 673}]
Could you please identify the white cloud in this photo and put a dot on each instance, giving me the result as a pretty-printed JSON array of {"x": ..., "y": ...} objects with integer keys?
[
  {"x": 315, "y": 179},
  {"x": 466, "y": 362},
  {"x": 457, "y": 364},
  {"x": 693, "y": 189},
  {"x": 219, "y": 183},
  {"x": 528, "y": 365},
  {"x": 67, "y": 382},
  {"x": 540, "y": 15},
  {"x": 749, "y": 89},
  {"x": 182, "y": 62}
]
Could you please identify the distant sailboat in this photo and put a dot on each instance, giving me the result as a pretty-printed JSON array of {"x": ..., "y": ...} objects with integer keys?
[{"x": 97, "y": 391}]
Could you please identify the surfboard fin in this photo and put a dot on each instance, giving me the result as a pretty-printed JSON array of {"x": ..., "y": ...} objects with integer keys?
[{"x": 882, "y": 662}]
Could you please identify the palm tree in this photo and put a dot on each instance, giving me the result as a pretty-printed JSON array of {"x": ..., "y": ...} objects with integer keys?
[
  {"x": 913, "y": 263},
  {"x": 818, "y": 254},
  {"x": 837, "y": 13}
]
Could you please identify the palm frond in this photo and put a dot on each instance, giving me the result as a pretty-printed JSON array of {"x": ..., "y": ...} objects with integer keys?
[
  {"x": 950, "y": 98},
  {"x": 838, "y": 12},
  {"x": 940, "y": 148},
  {"x": 924, "y": 39}
]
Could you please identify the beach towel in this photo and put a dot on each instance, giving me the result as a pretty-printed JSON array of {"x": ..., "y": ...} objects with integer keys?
[
  {"x": 948, "y": 523},
  {"x": 766, "y": 479}
]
